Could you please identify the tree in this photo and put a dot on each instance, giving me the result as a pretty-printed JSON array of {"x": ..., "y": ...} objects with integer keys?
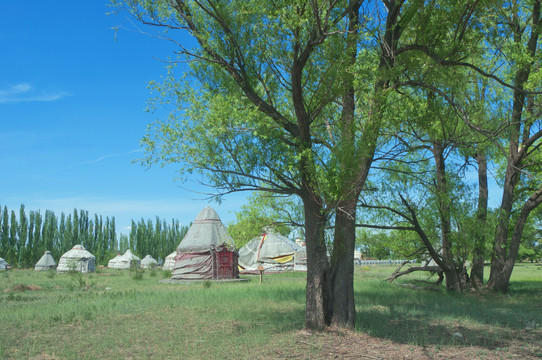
[
  {"x": 62, "y": 240},
  {"x": 4, "y": 230},
  {"x": 511, "y": 35},
  {"x": 75, "y": 228},
  {"x": 112, "y": 244},
  {"x": 422, "y": 185},
  {"x": 289, "y": 98},
  {"x": 31, "y": 253},
  {"x": 522, "y": 22},
  {"x": 266, "y": 90},
  {"x": 13, "y": 244},
  {"x": 23, "y": 235},
  {"x": 123, "y": 243}
]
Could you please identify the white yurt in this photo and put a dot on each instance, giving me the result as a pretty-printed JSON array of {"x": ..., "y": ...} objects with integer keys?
[
  {"x": 77, "y": 259},
  {"x": 4, "y": 265},
  {"x": 148, "y": 262},
  {"x": 126, "y": 261},
  {"x": 46, "y": 262},
  {"x": 272, "y": 251},
  {"x": 169, "y": 262},
  {"x": 112, "y": 263}
]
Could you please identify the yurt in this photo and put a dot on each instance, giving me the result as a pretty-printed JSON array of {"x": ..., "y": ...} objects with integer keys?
[
  {"x": 148, "y": 262},
  {"x": 206, "y": 251},
  {"x": 46, "y": 262},
  {"x": 4, "y": 265},
  {"x": 272, "y": 251},
  {"x": 126, "y": 261},
  {"x": 77, "y": 259},
  {"x": 169, "y": 262},
  {"x": 113, "y": 262}
]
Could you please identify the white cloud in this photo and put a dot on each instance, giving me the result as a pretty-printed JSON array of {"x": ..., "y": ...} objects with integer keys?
[
  {"x": 24, "y": 92},
  {"x": 15, "y": 90},
  {"x": 108, "y": 156}
]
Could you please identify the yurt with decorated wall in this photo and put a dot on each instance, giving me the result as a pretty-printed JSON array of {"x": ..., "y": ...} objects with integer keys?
[{"x": 207, "y": 251}]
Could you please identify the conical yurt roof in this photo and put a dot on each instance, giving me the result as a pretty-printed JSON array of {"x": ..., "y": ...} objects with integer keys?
[
  {"x": 130, "y": 255},
  {"x": 46, "y": 262},
  {"x": 78, "y": 252},
  {"x": 270, "y": 248},
  {"x": 206, "y": 232},
  {"x": 169, "y": 262},
  {"x": 148, "y": 261}
]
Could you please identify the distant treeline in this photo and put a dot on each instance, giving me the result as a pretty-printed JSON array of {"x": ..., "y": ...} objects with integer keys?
[{"x": 23, "y": 239}]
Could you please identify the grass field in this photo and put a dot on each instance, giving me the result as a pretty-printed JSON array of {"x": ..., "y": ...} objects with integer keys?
[{"x": 112, "y": 314}]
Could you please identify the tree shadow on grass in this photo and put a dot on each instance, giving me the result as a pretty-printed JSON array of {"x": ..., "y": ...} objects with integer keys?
[{"x": 423, "y": 317}]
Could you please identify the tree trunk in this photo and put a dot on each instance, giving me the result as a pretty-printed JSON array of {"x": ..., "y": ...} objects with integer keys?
[
  {"x": 453, "y": 276},
  {"x": 317, "y": 311},
  {"x": 350, "y": 178},
  {"x": 500, "y": 275},
  {"x": 497, "y": 281},
  {"x": 477, "y": 270},
  {"x": 342, "y": 268}
]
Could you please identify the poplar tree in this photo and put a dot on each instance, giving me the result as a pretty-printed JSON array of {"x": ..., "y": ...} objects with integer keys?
[
  {"x": 4, "y": 231},
  {"x": 23, "y": 236},
  {"x": 61, "y": 236},
  {"x": 31, "y": 230},
  {"x": 13, "y": 249}
]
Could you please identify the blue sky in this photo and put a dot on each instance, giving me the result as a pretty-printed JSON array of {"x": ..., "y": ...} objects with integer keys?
[{"x": 73, "y": 93}]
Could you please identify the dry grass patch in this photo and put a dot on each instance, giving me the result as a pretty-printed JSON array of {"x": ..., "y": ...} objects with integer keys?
[
  {"x": 22, "y": 287},
  {"x": 43, "y": 356}
]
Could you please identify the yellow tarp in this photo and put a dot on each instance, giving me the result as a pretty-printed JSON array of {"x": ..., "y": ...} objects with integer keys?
[{"x": 284, "y": 259}]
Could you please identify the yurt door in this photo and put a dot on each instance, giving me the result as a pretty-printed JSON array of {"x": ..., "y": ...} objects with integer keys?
[{"x": 224, "y": 264}]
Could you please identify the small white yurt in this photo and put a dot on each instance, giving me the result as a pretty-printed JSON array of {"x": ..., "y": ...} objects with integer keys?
[
  {"x": 4, "y": 265},
  {"x": 148, "y": 262},
  {"x": 169, "y": 262},
  {"x": 46, "y": 262},
  {"x": 77, "y": 259},
  {"x": 112, "y": 263},
  {"x": 126, "y": 261}
]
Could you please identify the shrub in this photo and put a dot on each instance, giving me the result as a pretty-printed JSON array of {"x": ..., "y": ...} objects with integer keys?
[
  {"x": 138, "y": 274},
  {"x": 82, "y": 281}
]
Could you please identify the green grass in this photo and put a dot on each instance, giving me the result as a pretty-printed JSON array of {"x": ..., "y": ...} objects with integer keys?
[
  {"x": 112, "y": 315},
  {"x": 425, "y": 317}
]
